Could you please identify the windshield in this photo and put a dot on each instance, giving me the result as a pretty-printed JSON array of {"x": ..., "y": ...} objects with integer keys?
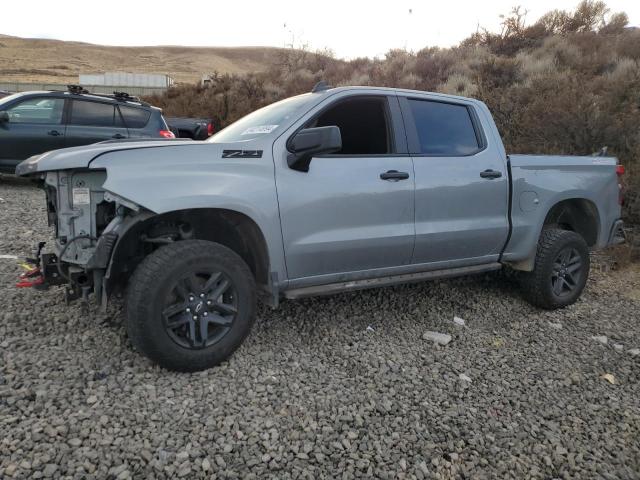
[{"x": 270, "y": 119}]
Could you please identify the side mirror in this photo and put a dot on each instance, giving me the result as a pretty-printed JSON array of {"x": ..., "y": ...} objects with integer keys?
[
  {"x": 310, "y": 142},
  {"x": 4, "y": 117}
]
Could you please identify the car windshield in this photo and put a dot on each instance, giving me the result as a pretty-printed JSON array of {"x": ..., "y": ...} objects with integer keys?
[{"x": 268, "y": 120}]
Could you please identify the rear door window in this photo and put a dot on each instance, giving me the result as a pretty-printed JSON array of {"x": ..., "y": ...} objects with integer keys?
[
  {"x": 134, "y": 117},
  {"x": 444, "y": 129},
  {"x": 94, "y": 114}
]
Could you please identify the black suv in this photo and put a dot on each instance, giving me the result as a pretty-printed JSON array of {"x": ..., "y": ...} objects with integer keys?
[{"x": 36, "y": 122}]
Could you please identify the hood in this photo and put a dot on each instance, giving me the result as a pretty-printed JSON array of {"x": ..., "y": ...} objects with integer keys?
[{"x": 81, "y": 157}]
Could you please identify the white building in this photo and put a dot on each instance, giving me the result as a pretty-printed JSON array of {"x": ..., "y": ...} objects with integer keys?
[{"x": 124, "y": 79}]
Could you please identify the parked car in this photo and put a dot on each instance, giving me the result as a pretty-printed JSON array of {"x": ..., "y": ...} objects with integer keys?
[
  {"x": 4, "y": 93},
  {"x": 36, "y": 122},
  {"x": 193, "y": 128},
  {"x": 334, "y": 190}
]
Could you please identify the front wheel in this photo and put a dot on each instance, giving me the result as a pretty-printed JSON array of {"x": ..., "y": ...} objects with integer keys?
[
  {"x": 560, "y": 272},
  {"x": 190, "y": 304}
]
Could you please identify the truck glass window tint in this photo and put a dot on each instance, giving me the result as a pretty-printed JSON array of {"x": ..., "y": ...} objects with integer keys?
[
  {"x": 92, "y": 113},
  {"x": 444, "y": 128},
  {"x": 363, "y": 125},
  {"x": 37, "y": 110},
  {"x": 134, "y": 117}
]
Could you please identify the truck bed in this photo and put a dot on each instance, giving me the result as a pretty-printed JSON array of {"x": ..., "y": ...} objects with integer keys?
[{"x": 538, "y": 182}]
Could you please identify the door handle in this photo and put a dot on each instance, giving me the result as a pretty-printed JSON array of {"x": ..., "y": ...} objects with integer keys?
[
  {"x": 54, "y": 133},
  {"x": 490, "y": 174},
  {"x": 394, "y": 175},
  {"x": 118, "y": 136}
]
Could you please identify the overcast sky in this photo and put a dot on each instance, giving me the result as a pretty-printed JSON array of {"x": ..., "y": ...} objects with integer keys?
[{"x": 349, "y": 28}]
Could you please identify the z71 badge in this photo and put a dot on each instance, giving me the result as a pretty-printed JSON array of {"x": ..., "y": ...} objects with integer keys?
[{"x": 242, "y": 154}]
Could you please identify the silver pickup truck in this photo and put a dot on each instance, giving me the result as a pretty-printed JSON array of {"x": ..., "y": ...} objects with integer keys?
[{"x": 333, "y": 190}]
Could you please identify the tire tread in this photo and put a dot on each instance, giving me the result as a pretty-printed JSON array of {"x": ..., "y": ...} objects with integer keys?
[
  {"x": 535, "y": 282},
  {"x": 145, "y": 277}
]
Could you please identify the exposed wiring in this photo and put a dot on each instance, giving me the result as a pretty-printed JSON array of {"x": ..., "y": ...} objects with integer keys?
[{"x": 64, "y": 249}]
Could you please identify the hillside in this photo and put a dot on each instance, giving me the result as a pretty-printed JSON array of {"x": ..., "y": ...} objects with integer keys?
[{"x": 56, "y": 61}]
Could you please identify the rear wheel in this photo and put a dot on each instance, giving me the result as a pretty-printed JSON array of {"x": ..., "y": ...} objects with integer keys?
[
  {"x": 190, "y": 304},
  {"x": 560, "y": 272}
]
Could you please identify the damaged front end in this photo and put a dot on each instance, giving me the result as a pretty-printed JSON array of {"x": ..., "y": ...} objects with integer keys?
[{"x": 87, "y": 222}]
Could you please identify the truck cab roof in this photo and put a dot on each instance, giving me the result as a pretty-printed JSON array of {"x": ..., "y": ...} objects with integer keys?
[{"x": 358, "y": 88}]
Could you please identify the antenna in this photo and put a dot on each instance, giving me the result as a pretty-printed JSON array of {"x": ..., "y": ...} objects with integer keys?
[{"x": 321, "y": 86}]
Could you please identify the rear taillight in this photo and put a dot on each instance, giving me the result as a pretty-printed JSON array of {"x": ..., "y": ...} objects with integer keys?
[
  {"x": 210, "y": 128},
  {"x": 167, "y": 134},
  {"x": 620, "y": 173}
]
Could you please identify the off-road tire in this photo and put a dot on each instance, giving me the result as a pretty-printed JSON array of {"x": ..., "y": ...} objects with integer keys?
[
  {"x": 151, "y": 285},
  {"x": 538, "y": 287}
]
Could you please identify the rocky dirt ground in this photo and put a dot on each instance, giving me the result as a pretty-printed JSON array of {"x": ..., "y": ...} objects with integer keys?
[{"x": 342, "y": 386}]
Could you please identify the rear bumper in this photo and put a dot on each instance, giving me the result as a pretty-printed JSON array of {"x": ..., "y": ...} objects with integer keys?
[{"x": 616, "y": 234}]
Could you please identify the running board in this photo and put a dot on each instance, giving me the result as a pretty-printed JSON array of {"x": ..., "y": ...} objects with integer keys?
[{"x": 339, "y": 287}]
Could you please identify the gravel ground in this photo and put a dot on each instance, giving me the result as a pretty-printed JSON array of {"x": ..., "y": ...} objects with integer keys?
[{"x": 341, "y": 386}]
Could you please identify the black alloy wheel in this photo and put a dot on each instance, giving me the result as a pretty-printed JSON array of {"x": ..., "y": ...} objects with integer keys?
[
  {"x": 567, "y": 272},
  {"x": 201, "y": 309}
]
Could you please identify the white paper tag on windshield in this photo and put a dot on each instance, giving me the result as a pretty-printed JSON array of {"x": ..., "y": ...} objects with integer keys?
[
  {"x": 259, "y": 129},
  {"x": 81, "y": 196}
]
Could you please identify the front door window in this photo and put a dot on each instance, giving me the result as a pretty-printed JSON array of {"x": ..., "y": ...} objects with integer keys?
[{"x": 37, "y": 110}]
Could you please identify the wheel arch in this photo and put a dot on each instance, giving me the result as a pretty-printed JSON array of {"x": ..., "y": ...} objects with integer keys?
[
  {"x": 579, "y": 215},
  {"x": 576, "y": 213},
  {"x": 230, "y": 228}
]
